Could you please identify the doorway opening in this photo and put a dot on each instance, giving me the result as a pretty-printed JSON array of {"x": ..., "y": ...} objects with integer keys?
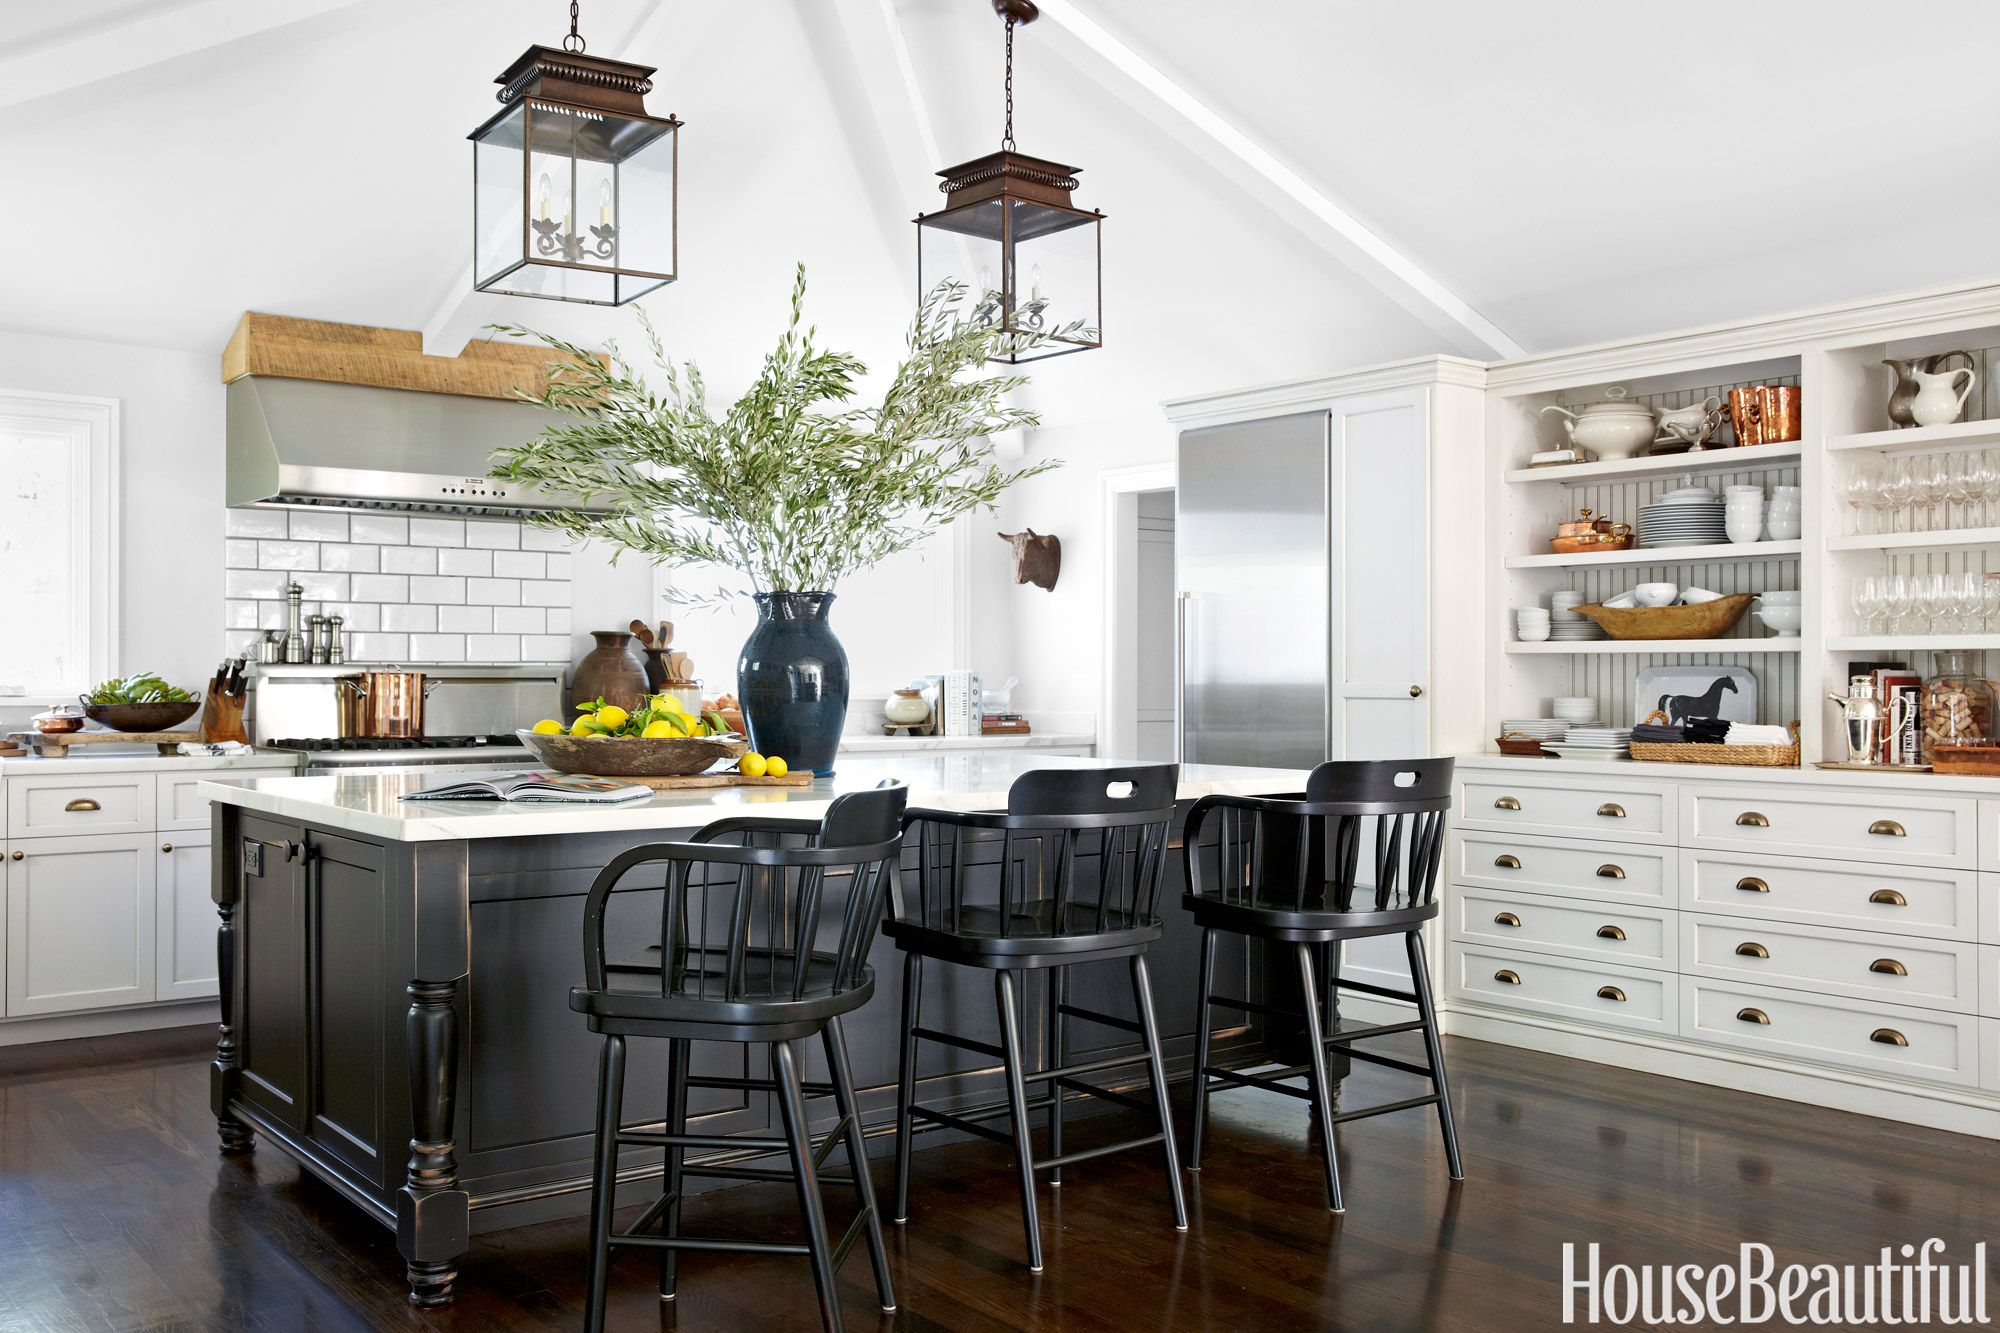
[{"x": 1138, "y": 712}]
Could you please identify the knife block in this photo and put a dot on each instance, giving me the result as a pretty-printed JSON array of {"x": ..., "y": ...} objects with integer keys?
[{"x": 222, "y": 718}]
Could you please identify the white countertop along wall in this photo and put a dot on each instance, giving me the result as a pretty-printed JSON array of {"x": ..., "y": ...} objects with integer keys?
[
  {"x": 371, "y": 805},
  {"x": 145, "y": 760}
]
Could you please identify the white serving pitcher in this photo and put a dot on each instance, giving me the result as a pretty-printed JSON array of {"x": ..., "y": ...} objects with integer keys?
[{"x": 1939, "y": 400}]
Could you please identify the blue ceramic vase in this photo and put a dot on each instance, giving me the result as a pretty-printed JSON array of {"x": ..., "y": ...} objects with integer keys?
[{"x": 792, "y": 679}]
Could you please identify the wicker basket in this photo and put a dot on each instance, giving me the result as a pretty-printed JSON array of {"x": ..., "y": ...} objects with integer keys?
[
  {"x": 1704, "y": 620},
  {"x": 1695, "y": 752},
  {"x": 1521, "y": 745}
]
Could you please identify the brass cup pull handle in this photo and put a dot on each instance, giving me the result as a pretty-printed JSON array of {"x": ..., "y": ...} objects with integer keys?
[
  {"x": 1889, "y": 967},
  {"x": 81, "y": 805},
  {"x": 1888, "y": 898},
  {"x": 1889, "y": 1037},
  {"x": 1506, "y": 919},
  {"x": 1507, "y": 803},
  {"x": 1508, "y": 975},
  {"x": 1507, "y": 861},
  {"x": 1751, "y": 884},
  {"x": 1611, "y": 810},
  {"x": 1751, "y": 819},
  {"x": 1753, "y": 1016},
  {"x": 1752, "y": 949},
  {"x": 1609, "y": 871},
  {"x": 1888, "y": 828},
  {"x": 1611, "y": 993},
  {"x": 1610, "y": 933}
]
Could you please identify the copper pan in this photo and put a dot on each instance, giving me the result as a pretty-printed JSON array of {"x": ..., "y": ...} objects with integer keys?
[
  {"x": 386, "y": 705},
  {"x": 1765, "y": 414}
]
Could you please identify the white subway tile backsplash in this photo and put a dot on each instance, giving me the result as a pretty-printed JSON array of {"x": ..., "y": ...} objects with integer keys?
[
  {"x": 465, "y": 619},
  {"x": 322, "y": 587},
  {"x": 239, "y": 615},
  {"x": 257, "y": 523},
  {"x": 270, "y": 615},
  {"x": 437, "y": 648},
  {"x": 492, "y": 648},
  {"x": 361, "y": 617},
  {"x": 422, "y": 619},
  {"x": 558, "y": 565},
  {"x": 409, "y": 560},
  {"x": 519, "y": 620},
  {"x": 543, "y": 539},
  {"x": 354, "y": 559},
  {"x": 384, "y": 529},
  {"x": 520, "y": 564},
  {"x": 545, "y": 648},
  {"x": 558, "y": 619},
  {"x": 477, "y": 564},
  {"x": 442, "y": 591},
  {"x": 239, "y": 553},
  {"x": 494, "y": 536},
  {"x": 287, "y": 555},
  {"x": 382, "y": 588},
  {"x": 493, "y": 592},
  {"x": 378, "y": 647},
  {"x": 316, "y": 525},
  {"x": 437, "y": 532},
  {"x": 544, "y": 592},
  {"x": 258, "y": 583}
]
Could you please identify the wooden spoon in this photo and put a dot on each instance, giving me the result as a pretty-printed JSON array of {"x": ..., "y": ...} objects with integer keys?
[{"x": 642, "y": 633}]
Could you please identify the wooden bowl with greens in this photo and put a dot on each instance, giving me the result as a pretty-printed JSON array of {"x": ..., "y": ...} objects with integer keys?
[{"x": 139, "y": 703}]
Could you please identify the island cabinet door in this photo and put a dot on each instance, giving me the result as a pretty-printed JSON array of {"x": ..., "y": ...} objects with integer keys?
[
  {"x": 271, "y": 968},
  {"x": 352, "y": 1000}
]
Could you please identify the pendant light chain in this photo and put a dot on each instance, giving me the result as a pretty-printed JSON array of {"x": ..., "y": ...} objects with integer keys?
[
  {"x": 1007, "y": 140},
  {"x": 573, "y": 43}
]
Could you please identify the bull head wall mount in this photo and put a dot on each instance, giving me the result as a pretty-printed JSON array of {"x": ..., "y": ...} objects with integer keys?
[{"x": 1037, "y": 557}]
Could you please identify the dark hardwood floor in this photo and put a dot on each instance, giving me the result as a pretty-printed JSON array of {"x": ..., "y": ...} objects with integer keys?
[{"x": 116, "y": 1213}]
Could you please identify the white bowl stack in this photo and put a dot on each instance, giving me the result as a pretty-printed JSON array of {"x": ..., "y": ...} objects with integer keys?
[
  {"x": 1531, "y": 624},
  {"x": 1744, "y": 517},
  {"x": 1690, "y": 516},
  {"x": 1781, "y": 612},
  {"x": 1784, "y": 520},
  {"x": 1567, "y": 625},
  {"x": 1574, "y": 711}
]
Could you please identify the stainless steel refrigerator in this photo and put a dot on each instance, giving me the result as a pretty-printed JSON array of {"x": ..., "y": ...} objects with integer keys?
[{"x": 1252, "y": 537}]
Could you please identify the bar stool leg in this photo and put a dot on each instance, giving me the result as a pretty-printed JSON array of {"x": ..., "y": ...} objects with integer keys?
[
  {"x": 857, "y": 1157},
  {"x": 678, "y": 1054},
  {"x": 1156, "y": 1072},
  {"x": 1017, "y": 1102},
  {"x": 1058, "y": 996},
  {"x": 1201, "y": 1018},
  {"x": 1420, "y": 978},
  {"x": 798, "y": 1133},
  {"x": 1316, "y": 1074},
  {"x": 604, "y": 1177},
  {"x": 906, "y": 1079}
]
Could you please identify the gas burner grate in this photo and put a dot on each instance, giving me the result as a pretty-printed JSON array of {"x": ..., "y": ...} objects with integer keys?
[{"x": 371, "y": 744}]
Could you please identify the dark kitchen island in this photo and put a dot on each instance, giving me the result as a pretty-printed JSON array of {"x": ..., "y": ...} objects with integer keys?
[{"x": 395, "y": 983}]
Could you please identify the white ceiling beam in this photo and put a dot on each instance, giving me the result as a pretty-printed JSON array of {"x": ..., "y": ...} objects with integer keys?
[
  {"x": 903, "y": 150},
  {"x": 1280, "y": 188},
  {"x": 148, "y": 41}
]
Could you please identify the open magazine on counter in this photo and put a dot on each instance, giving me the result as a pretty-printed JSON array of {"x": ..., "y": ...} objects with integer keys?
[{"x": 534, "y": 787}]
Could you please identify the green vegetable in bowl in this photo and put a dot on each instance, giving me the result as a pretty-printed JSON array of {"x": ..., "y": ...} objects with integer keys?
[{"x": 144, "y": 688}]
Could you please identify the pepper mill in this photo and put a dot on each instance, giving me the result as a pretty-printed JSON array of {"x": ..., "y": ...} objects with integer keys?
[
  {"x": 316, "y": 651},
  {"x": 336, "y": 654},
  {"x": 295, "y": 642}
]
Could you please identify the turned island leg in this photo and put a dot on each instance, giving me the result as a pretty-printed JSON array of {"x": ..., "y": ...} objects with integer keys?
[
  {"x": 225, "y": 1073},
  {"x": 432, "y": 1213}
]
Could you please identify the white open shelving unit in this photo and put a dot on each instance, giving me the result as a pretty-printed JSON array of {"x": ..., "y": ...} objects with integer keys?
[{"x": 1835, "y": 357}]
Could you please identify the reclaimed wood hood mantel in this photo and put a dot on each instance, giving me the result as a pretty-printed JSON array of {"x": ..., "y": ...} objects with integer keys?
[{"x": 317, "y": 349}]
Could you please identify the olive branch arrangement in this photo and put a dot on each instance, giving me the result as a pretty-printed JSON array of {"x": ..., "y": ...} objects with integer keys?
[{"x": 791, "y": 486}]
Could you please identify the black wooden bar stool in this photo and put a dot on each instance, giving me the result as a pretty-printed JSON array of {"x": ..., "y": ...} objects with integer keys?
[
  {"x": 1069, "y": 874},
  {"x": 1290, "y": 870},
  {"x": 764, "y": 934}
]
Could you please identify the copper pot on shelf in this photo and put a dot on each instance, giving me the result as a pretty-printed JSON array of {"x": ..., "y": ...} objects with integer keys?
[
  {"x": 384, "y": 705},
  {"x": 1590, "y": 534},
  {"x": 1765, "y": 414}
]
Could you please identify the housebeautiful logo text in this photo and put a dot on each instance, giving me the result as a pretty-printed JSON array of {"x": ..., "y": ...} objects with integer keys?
[{"x": 1909, "y": 1285}]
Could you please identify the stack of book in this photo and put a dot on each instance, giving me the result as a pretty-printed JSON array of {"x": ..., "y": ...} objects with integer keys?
[
  {"x": 959, "y": 712},
  {"x": 1003, "y": 724}
]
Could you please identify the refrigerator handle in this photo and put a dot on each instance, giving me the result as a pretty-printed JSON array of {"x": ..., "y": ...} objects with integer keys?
[{"x": 1181, "y": 601}]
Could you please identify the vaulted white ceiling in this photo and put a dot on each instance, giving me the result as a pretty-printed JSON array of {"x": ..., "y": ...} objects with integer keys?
[{"x": 1569, "y": 170}]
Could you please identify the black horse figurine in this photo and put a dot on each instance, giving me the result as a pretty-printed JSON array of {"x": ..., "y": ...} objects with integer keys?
[{"x": 1681, "y": 707}]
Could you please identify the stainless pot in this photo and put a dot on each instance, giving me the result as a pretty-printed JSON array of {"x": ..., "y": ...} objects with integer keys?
[{"x": 385, "y": 705}]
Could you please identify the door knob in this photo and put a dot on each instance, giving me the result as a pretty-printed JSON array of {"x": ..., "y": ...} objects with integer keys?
[
  {"x": 166, "y": 847},
  {"x": 1416, "y": 691},
  {"x": 19, "y": 855}
]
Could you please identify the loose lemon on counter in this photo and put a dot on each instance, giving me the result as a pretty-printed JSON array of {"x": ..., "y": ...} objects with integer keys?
[
  {"x": 548, "y": 726},
  {"x": 658, "y": 731},
  {"x": 612, "y": 717},
  {"x": 752, "y": 765},
  {"x": 776, "y": 766}
]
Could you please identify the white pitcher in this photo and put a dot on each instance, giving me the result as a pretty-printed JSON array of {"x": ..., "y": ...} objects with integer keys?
[{"x": 1939, "y": 401}]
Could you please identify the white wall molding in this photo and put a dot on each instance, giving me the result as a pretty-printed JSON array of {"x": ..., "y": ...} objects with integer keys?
[{"x": 1262, "y": 400}]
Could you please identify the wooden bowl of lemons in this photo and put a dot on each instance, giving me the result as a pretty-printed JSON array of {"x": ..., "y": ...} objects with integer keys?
[{"x": 659, "y": 740}]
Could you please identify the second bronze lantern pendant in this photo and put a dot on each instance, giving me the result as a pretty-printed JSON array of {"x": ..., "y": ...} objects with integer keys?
[{"x": 1030, "y": 260}]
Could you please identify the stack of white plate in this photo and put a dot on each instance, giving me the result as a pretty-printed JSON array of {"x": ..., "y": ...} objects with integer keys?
[
  {"x": 1541, "y": 728},
  {"x": 1595, "y": 742},
  {"x": 1573, "y": 631},
  {"x": 1684, "y": 523}
]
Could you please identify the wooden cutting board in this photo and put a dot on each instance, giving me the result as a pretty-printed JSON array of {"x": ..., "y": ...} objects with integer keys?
[
  {"x": 56, "y": 744},
  {"x": 720, "y": 780}
]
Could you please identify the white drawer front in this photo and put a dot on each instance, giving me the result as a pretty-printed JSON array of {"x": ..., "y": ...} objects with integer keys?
[
  {"x": 181, "y": 804},
  {"x": 1941, "y": 904},
  {"x": 1577, "y": 802},
  {"x": 45, "y": 805},
  {"x": 1564, "y": 988},
  {"x": 1989, "y": 980},
  {"x": 1989, "y": 908},
  {"x": 1989, "y": 835},
  {"x": 1595, "y": 870},
  {"x": 1855, "y": 1034},
  {"x": 1614, "y": 933},
  {"x": 1989, "y": 1054},
  {"x": 1906, "y": 830},
  {"x": 1936, "y": 974}
]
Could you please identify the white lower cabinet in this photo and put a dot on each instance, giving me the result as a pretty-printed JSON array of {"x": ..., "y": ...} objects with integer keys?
[
  {"x": 1613, "y": 932},
  {"x": 80, "y": 922},
  {"x": 1855, "y": 1034},
  {"x": 1939, "y": 974},
  {"x": 1564, "y": 987},
  {"x": 184, "y": 920}
]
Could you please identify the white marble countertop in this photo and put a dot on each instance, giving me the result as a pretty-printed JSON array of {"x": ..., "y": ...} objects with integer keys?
[
  {"x": 368, "y": 804},
  {"x": 141, "y": 759},
  {"x": 863, "y": 743},
  {"x": 1584, "y": 772}
]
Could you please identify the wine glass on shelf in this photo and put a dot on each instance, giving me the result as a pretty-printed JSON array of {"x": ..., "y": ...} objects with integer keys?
[
  {"x": 1866, "y": 598},
  {"x": 1989, "y": 602},
  {"x": 1858, "y": 489},
  {"x": 1987, "y": 476},
  {"x": 1899, "y": 486},
  {"x": 1962, "y": 487},
  {"x": 1928, "y": 482},
  {"x": 1965, "y": 591},
  {"x": 1896, "y": 602}
]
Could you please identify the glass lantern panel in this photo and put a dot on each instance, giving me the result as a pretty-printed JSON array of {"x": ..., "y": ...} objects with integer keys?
[
  {"x": 499, "y": 219},
  {"x": 644, "y": 186},
  {"x": 572, "y": 191},
  {"x": 962, "y": 245},
  {"x": 1054, "y": 278}
]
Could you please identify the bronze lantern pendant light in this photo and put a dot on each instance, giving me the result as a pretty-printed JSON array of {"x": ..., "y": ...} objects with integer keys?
[
  {"x": 574, "y": 185},
  {"x": 1030, "y": 259}
]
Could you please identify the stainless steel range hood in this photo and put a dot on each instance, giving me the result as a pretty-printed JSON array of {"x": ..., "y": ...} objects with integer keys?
[{"x": 313, "y": 442}]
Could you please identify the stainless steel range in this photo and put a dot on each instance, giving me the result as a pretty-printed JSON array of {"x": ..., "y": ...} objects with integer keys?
[{"x": 470, "y": 714}]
